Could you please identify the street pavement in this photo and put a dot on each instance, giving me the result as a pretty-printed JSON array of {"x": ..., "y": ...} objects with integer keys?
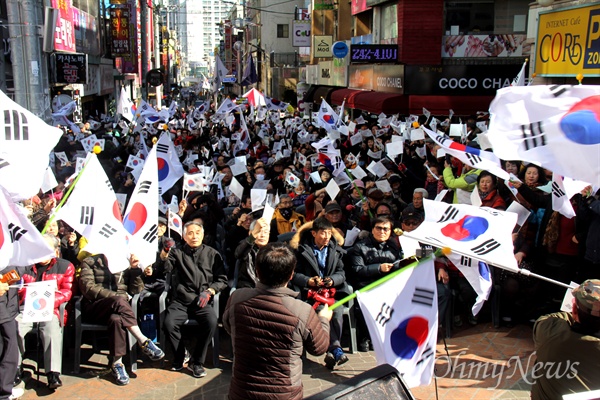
[{"x": 486, "y": 363}]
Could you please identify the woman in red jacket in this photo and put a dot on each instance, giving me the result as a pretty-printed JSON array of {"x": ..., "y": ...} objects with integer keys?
[{"x": 488, "y": 193}]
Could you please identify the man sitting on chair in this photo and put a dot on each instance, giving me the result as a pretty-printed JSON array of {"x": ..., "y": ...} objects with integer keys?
[
  {"x": 198, "y": 274},
  {"x": 51, "y": 331}
]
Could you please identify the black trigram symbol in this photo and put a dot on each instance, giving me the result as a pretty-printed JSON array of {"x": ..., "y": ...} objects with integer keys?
[
  {"x": 427, "y": 353},
  {"x": 385, "y": 314},
  {"x": 162, "y": 148},
  {"x": 450, "y": 213},
  {"x": 144, "y": 187},
  {"x": 15, "y": 125},
  {"x": 45, "y": 313},
  {"x": 473, "y": 159},
  {"x": 533, "y": 135},
  {"x": 423, "y": 296},
  {"x": 33, "y": 294},
  {"x": 486, "y": 247},
  {"x": 556, "y": 190},
  {"x": 3, "y": 163},
  {"x": 16, "y": 232},
  {"x": 107, "y": 231},
  {"x": 108, "y": 184},
  {"x": 557, "y": 90},
  {"x": 152, "y": 233},
  {"x": 466, "y": 261},
  {"x": 87, "y": 215},
  {"x": 429, "y": 238},
  {"x": 31, "y": 313},
  {"x": 47, "y": 293}
]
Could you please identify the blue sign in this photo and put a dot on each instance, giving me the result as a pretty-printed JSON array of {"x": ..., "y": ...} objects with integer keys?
[
  {"x": 228, "y": 79},
  {"x": 339, "y": 49}
]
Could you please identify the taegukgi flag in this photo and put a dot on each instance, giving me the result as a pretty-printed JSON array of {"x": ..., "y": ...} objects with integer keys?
[
  {"x": 39, "y": 301},
  {"x": 402, "y": 317},
  {"x": 169, "y": 166},
  {"x": 477, "y": 232},
  {"x": 478, "y": 275},
  {"x": 553, "y": 126}
]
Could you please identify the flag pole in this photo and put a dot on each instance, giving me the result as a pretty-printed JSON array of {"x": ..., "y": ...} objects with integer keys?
[
  {"x": 520, "y": 271},
  {"x": 64, "y": 198},
  {"x": 438, "y": 253}
]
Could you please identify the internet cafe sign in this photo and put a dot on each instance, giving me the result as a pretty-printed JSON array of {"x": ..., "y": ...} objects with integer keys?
[
  {"x": 322, "y": 46},
  {"x": 568, "y": 42},
  {"x": 301, "y": 33},
  {"x": 381, "y": 78}
]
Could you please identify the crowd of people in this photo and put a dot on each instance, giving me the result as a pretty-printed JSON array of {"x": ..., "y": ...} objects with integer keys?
[{"x": 336, "y": 242}]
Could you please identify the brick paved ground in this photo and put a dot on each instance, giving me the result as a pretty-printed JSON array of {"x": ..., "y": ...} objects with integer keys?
[{"x": 482, "y": 344}]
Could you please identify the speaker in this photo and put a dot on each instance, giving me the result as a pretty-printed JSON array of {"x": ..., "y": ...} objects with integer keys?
[{"x": 380, "y": 383}]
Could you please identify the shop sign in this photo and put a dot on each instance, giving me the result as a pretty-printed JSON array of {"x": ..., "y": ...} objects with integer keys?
[{"x": 568, "y": 42}]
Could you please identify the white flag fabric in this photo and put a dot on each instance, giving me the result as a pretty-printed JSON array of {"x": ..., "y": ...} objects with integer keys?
[
  {"x": 141, "y": 216},
  {"x": 477, "y": 274},
  {"x": 402, "y": 317},
  {"x": 220, "y": 72},
  {"x": 476, "y": 158},
  {"x": 49, "y": 181},
  {"x": 133, "y": 162},
  {"x": 561, "y": 197},
  {"x": 125, "y": 105},
  {"x": 327, "y": 118},
  {"x": 547, "y": 125},
  {"x": 175, "y": 223},
  {"x": 478, "y": 232},
  {"x": 226, "y": 107},
  {"x": 169, "y": 166},
  {"x": 274, "y": 104},
  {"x": 21, "y": 244},
  {"x": 92, "y": 200},
  {"x": 25, "y": 147},
  {"x": 520, "y": 78},
  {"x": 194, "y": 183},
  {"x": 39, "y": 301}
]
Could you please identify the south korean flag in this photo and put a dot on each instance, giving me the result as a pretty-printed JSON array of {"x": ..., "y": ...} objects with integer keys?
[{"x": 478, "y": 232}]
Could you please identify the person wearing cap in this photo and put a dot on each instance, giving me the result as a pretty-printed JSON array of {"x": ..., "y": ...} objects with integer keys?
[
  {"x": 333, "y": 213},
  {"x": 417, "y": 204},
  {"x": 370, "y": 259},
  {"x": 374, "y": 197},
  {"x": 569, "y": 342}
]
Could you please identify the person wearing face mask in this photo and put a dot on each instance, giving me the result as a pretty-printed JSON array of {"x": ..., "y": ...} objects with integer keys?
[{"x": 285, "y": 219}]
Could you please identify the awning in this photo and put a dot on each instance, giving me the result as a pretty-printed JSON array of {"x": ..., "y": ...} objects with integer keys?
[
  {"x": 338, "y": 96},
  {"x": 440, "y": 105},
  {"x": 318, "y": 93},
  {"x": 379, "y": 102}
]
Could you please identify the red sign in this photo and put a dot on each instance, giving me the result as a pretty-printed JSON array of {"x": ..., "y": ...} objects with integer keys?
[
  {"x": 64, "y": 36},
  {"x": 358, "y": 6},
  {"x": 119, "y": 28}
]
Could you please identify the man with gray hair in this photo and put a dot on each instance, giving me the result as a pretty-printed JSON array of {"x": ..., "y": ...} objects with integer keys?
[
  {"x": 198, "y": 274},
  {"x": 417, "y": 204},
  {"x": 62, "y": 271}
]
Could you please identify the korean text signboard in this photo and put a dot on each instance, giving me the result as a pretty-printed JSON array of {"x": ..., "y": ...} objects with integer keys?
[
  {"x": 70, "y": 68},
  {"x": 64, "y": 35},
  {"x": 568, "y": 42},
  {"x": 119, "y": 27}
]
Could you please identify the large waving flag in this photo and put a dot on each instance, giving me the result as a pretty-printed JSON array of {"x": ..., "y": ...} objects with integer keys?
[
  {"x": 274, "y": 104},
  {"x": 92, "y": 200},
  {"x": 169, "y": 166},
  {"x": 478, "y": 275},
  {"x": 327, "y": 118},
  {"x": 402, "y": 317},
  {"x": 226, "y": 107},
  {"x": 125, "y": 105},
  {"x": 520, "y": 78},
  {"x": 220, "y": 72},
  {"x": 141, "y": 216},
  {"x": 556, "y": 127},
  {"x": 21, "y": 244},
  {"x": 476, "y": 158},
  {"x": 250, "y": 76},
  {"x": 477, "y": 232},
  {"x": 25, "y": 146}
]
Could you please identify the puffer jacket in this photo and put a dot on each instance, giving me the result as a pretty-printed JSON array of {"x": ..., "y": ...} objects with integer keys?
[
  {"x": 60, "y": 270},
  {"x": 307, "y": 265},
  {"x": 97, "y": 282},
  {"x": 366, "y": 256},
  {"x": 467, "y": 181},
  {"x": 270, "y": 328}
]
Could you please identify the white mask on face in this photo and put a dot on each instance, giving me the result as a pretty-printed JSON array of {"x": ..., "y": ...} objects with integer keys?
[{"x": 260, "y": 177}]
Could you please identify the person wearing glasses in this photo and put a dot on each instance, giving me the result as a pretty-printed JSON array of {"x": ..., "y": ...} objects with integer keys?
[{"x": 370, "y": 259}]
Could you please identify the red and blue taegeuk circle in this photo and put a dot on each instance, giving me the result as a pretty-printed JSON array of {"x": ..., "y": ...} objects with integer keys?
[
  {"x": 581, "y": 124},
  {"x": 408, "y": 336},
  {"x": 39, "y": 304},
  {"x": 466, "y": 229},
  {"x": 163, "y": 168},
  {"x": 136, "y": 218},
  {"x": 329, "y": 119},
  {"x": 117, "y": 211}
]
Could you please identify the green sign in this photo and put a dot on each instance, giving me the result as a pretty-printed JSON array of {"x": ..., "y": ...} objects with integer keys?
[{"x": 323, "y": 5}]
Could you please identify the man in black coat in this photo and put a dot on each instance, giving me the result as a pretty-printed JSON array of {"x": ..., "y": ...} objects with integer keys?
[
  {"x": 9, "y": 308},
  {"x": 198, "y": 274},
  {"x": 319, "y": 269}
]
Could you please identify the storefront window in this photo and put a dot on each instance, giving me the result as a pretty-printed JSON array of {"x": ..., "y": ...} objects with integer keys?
[
  {"x": 389, "y": 23},
  {"x": 471, "y": 17}
]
